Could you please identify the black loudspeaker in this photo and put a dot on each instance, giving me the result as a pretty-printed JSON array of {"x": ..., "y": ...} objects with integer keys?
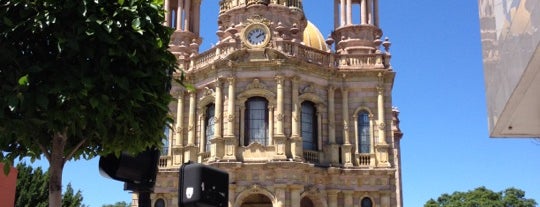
[
  {"x": 203, "y": 186},
  {"x": 135, "y": 170}
]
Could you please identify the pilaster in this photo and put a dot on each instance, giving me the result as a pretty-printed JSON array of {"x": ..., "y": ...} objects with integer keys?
[
  {"x": 296, "y": 140},
  {"x": 229, "y": 139},
  {"x": 332, "y": 198}
]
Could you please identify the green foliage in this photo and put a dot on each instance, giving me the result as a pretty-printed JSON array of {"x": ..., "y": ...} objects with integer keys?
[
  {"x": 70, "y": 199},
  {"x": 481, "y": 197},
  {"x": 118, "y": 204},
  {"x": 32, "y": 189},
  {"x": 97, "y": 70},
  {"x": 82, "y": 78}
]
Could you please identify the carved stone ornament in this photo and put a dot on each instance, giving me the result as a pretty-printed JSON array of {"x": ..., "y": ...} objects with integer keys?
[
  {"x": 308, "y": 89},
  {"x": 382, "y": 125},
  {"x": 208, "y": 91},
  {"x": 256, "y": 84},
  {"x": 280, "y": 117},
  {"x": 230, "y": 117}
]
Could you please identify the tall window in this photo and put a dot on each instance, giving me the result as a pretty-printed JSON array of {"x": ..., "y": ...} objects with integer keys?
[
  {"x": 366, "y": 202},
  {"x": 256, "y": 129},
  {"x": 209, "y": 124},
  {"x": 309, "y": 125},
  {"x": 165, "y": 141},
  {"x": 363, "y": 132}
]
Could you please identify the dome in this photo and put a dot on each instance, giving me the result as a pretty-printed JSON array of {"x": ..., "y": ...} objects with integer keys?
[{"x": 313, "y": 37}]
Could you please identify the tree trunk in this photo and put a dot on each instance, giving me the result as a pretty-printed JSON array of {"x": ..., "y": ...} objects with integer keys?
[{"x": 56, "y": 167}]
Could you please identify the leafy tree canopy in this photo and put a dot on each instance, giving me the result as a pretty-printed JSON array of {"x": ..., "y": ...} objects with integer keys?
[
  {"x": 118, "y": 204},
  {"x": 32, "y": 189},
  {"x": 481, "y": 196},
  {"x": 82, "y": 78}
]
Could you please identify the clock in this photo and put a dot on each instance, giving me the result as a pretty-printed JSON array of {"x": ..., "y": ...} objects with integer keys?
[{"x": 256, "y": 35}]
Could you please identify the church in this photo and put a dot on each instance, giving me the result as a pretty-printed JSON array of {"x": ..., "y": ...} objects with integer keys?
[{"x": 295, "y": 119}]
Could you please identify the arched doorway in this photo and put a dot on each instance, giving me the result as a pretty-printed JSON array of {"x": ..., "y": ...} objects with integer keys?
[
  {"x": 257, "y": 200},
  {"x": 306, "y": 202}
]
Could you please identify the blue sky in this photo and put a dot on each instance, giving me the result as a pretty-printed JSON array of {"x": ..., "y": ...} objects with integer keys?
[{"x": 439, "y": 89}]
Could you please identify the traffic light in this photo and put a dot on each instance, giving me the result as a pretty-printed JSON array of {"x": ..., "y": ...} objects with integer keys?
[
  {"x": 203, "y": 186},
  {"x": 137, "y": 171}
]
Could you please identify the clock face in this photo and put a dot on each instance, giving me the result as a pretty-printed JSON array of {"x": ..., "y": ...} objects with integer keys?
[{"x": 256, "y": 36}]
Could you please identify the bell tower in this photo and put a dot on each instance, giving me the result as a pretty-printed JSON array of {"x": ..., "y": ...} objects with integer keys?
[
  {"x": 184, "y": 17},
  {"x": 281, "y": 19},
  {"x": 363, "y": 37}
]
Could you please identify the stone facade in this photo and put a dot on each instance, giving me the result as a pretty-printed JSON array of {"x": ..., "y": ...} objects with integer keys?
[{"x": 341, "y": 98}]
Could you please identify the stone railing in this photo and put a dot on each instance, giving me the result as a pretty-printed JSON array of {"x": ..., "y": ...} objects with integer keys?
[
  {"x": 353, "y": 61},
  {"x": 204, "y": 155},
  {"x": 225, "y": 5},
  {"x": 311, "y": 156},
  {"x": 302, "y": 52},
  {"x": 306, "y": 53},
  {"x": 211, "y": 55},
  {"x": 164, "y": 162},
  {"x": 364, "y": 160}
]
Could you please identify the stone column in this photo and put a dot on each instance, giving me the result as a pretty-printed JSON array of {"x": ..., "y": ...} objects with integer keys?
[
  {"x": 333, "y": 150},
  {"x": 342, "y": 13},
  {"x": 295, "y": 195},
  {"x": 348, "y": 197},
  {"x": 177, "y": 149},
  {"x": 219, "y": 111},
  {"x": 179, "y": 12},
  {"x": 179, "y": 128},
  {"x": 280, "y": 114},
  {"x": 191, "y": 150},
  {"x": 280, "y": 191},
  {"x": 296, "y": 140},
  {"x": 380, "y": 115},
  {"x": 345, "y": 115},
  {"x": 230, "y": 139},
  {"x": 336, "y": 15},
  {"x": 363, "y": 12},
  {"x": 296, "y": 113},
  {"x": 187, "y": 16},
  {"x": 332, "y": 198},
  {"x": 230, "y": 108},
  {"x": 349, "y": 12},
  {"x": 382, "y": 145},
  {"x": 167, "y": 13},
  {"x": 192, "y": 118},
  {"x": 376, "y": 13},
  {"x": 346, "y": 153},
  {"x": 331, "y": 115},
  {"x": 369, "y": 12}
]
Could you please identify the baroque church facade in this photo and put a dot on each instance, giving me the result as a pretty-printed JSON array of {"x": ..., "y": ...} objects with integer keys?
[{"x": 296, "y": 120}]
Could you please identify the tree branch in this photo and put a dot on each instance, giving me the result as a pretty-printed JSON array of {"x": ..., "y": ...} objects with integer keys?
[
  {"x": 68, "y": 157},
  {"x": 45, "y": 152}
]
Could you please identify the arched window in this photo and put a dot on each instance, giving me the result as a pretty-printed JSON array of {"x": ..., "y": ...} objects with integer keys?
[
  {"x": 309, "y": 125},
  {"x": 366, "y": 202},
  {"x": 209, "y": 122},
  {"x": 256, "y": 121},
  {"x": 165, "y": 141},
  {"x": 159, "y": 203},
  {"x": 363, "y": 132}
]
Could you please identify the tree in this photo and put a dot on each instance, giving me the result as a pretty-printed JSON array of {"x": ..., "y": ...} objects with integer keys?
[
  {"x": 118, "y": 204},
  {"x": 32, "y": 185},
  {"x": 481, "y": 196},
  {"x": 82, "y": 78}
]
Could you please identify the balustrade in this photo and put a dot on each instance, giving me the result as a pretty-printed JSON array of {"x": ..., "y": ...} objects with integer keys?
[
  {"x": 164, "y": 161},
  {"x": 364, "y": 160},
  {"x": 311, "y": 156}
]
